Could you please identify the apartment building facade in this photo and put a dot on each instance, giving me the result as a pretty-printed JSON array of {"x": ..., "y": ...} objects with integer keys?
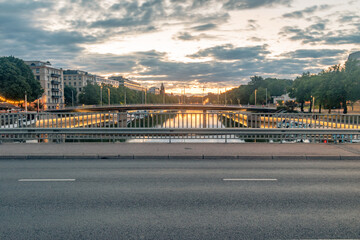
[
  {"x": 52, "y": 81},
  {"x": 102, "y": 80},
  {"x": 78, "y": 79},
  {"x": 128, "y": 83}
]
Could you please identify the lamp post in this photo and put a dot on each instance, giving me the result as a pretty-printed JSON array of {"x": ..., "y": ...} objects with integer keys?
[
  {"x": 184, "y": 94},
  {"x": 109, "y": 96},
  {"x": 218, "y": 95},
  {"x": 225, "y": 97},
  {"x": 72, "y": 97},
  {"x": 145, "y": 94},
  {"x": 203, "y": 95},
  {"x": 25, "y": 101},
  {"x": 313, "y": 109},
  {"x": 255, "y": 96},
  {"x": 101, "y": 95},
  {"x": 266, "y": 98}
]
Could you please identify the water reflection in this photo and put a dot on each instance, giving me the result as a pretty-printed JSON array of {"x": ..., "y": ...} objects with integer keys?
[{"x": 188, "y": 119}]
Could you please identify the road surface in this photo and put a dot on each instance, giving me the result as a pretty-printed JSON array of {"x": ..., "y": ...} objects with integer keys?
[{"x": 179, "y": 199}]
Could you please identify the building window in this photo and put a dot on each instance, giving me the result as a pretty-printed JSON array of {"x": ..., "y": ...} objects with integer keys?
[
  {"x": 38, "y": 70},
  {"x": 38, "y": 78},
  {"x": 79, "y": 89},
  {"x": 74, "y": 83},
  {"x": 48, "y": 85}
]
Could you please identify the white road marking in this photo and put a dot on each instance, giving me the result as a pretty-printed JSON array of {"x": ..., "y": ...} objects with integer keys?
[
  {"x": 46, "y": 180},
  {"x": 249, "y": 179}
]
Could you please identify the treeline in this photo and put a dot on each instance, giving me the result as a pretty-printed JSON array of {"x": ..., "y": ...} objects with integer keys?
[
  {"x": 331, "y": 88},
  {"x": 91, "y": 95},
  {"x": 265, "y": 90}
]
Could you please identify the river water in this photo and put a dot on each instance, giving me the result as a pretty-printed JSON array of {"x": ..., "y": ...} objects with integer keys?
[{"x": 190, "y": 119}]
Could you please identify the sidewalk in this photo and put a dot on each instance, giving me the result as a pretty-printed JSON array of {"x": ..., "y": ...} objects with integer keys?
[{"x": 180, "y": 150}]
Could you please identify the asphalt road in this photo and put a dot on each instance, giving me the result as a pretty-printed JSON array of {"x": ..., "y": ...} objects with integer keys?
[{"x": 179, "y": 199}]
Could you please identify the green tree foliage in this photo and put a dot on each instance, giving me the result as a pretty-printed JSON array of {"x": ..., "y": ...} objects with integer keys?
[
  {"x": 90, "y": 95},
  {"x": 302, "y": 89},
  {"x": 331, "y": 88},
  {"x": 245, "y": 94},
  {"x": 70, "y": 94},
  {"x": 16, "y": 78}
]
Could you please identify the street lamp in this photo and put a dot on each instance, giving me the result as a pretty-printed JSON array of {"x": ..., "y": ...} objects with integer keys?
[
  {"x": 109, "y": 96},
  {"x": 255, "y": 96},
  {"x": 184, "y": 94},
  {"x": 25, "y": 101},
  {"x": 266, "y": 98},
  {"x": 72, "y": 97},
  {"x": 101, "y": 95}
]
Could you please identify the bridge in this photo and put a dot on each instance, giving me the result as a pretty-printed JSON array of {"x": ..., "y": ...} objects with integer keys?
[
  {"x": 175, "y": 124},
  {"x": 150, "y": 107}
]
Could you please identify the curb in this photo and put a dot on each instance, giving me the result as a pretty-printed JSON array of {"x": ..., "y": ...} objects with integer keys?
[{"x": 176, "y": 157}]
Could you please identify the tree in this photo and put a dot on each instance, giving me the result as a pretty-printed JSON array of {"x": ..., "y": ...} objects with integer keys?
[
  {"x": 302, "y": 90},
  {"x": 90, "y": 95},
  {"x": 16, "y": 79},
  {"x": 70, "y": 95}
]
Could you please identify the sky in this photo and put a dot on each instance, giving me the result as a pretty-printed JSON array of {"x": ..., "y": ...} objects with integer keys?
[{"x": 202, "y": 45}]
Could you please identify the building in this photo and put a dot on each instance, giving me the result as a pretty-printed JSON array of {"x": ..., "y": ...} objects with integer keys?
[
  {"x": 78, "y": 79},
  {"x": 284, "y": 98},
  {"x": 51, "y": 80},
  {"x": 154, "y": 90},
  {"x": 128, "y": 83},
  {"x": 162, "y": 89},
  {"x": 101, "y": 80}
]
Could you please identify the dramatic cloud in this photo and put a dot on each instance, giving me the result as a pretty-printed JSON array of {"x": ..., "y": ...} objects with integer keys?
[
  {"x": 315, "y": 34},
  {"x": 204, "y": 27},
  {"x": 229, "y": 52},
  {"x": 314, "y": 53},
  {"x": 184, "y": 42},
  {"x": 185, "y": 36},
  {"x": 306, "y": 11},
  {"x": 249, "y": 4}
]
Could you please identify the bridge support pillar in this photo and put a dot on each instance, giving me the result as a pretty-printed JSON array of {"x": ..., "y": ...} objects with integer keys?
[{"x": 204, "y": 118}]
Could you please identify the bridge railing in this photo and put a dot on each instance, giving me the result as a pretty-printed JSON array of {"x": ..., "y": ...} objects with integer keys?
[
  {"x": 175, "y": 125},
  {"x": 178, "y": 119}
]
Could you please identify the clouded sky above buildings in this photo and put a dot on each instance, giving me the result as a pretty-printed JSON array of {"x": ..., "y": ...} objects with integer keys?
[{"x": 199, "y": 43}]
